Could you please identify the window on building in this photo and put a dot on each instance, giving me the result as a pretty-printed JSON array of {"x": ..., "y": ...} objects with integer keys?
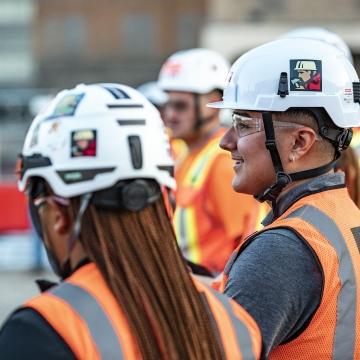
[
  {"x": 74, "y": 34},
  {"x": 64, "y": 35},
  {"x": 139, "y": 34},
  {"x": 188, "y": 28}
]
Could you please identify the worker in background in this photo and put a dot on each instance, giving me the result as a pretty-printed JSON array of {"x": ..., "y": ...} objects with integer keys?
[
  {"x": 299, "y": 277},
  {"x": 104, "y": 219},
  {"x": 206, "y": 230},
  {"x": 158, "y": 98},
  {"x": 348, "y": 163}
]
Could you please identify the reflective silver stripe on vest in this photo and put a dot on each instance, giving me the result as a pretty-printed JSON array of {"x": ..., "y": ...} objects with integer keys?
[
  {"x": 344, "y": 342},
  {"x": 242, "y": 333},
  {"x": 100, "y": 327}
]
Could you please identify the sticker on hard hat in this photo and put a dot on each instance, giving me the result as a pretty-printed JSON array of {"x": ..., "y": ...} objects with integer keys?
[
  {"x": 348, "y": 96},
  {"x": 305, "y": 75},
  {"x": 67, "y": 105},
  {"x": 83, "y": 143},
  {"x": 172, "y": 68}
]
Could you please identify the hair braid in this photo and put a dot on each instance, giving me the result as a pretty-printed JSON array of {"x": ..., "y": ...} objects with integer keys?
[{"x": 142, "y": 265}]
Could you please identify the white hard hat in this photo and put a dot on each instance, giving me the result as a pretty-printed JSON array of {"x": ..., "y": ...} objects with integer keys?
[
  {"x": 197, "y": 70},
  {"x": 318, "y": 33},
  {"x": 125, "y": 134},
  {"x": 153, "y": 93},
  {"x": 265, "y": 79}
]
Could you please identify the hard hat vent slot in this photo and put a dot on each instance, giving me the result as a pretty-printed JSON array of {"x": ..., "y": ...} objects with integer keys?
[{"x": 135, "y": 151}]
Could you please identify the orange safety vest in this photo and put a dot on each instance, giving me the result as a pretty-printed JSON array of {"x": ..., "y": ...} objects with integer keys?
[
  {"x": 179, "y": 150},
  {"x": 355, "y": 142},
  {"x": 201, "y": 237},
  {"x": 84, "y": 312},
  {"x": 263, "y": 210},
  {"x": 330, "y": 223}
]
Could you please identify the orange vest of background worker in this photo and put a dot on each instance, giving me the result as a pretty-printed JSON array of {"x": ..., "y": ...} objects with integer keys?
[
  {"x": 205, "y": 225},
  {"x": 355, "y": 142},
  {"x": 84, "y": 312},
  {"x": 334, "y": 237},
  {"x": 206, "y": 229}
]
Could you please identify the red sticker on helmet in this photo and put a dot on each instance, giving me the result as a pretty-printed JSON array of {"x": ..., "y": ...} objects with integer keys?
[
  {"x": 172, "y": 68},
  {"x": 83, "y": 143},
  {"x": 305, "y": 75}
]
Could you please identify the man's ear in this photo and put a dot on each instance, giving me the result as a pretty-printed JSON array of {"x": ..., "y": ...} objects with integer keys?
[{"x": 303, "y": 140}]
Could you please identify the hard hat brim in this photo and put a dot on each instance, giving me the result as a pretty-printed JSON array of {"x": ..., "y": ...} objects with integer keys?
[{"x": 223, "y": 105}]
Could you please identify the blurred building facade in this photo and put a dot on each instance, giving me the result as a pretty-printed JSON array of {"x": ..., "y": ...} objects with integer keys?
[
  {"x": 47, "y": 45},
  {"x": 233, "y": 26},
  {"x": 50, "y": 45},
  {"x": 18, "y": 73},
  {"x": 16, "y": 51},
  {"x": 116, "y": 41}
]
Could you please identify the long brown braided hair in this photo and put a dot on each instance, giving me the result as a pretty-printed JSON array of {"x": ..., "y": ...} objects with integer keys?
[{"x": 142, "y": 265}]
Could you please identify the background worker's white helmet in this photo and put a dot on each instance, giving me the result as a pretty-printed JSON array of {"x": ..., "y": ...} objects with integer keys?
[
  {"x": 265, "y": 79},
  {"x": 91, "y": 137},
  {"x": 319, "y": 33},
  {"x": 197, "y": 70},
  {"x": 153, "y": 93}
]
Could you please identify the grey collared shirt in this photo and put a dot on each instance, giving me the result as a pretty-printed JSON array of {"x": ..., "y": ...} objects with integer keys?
[{"x": 277, "y": 277}]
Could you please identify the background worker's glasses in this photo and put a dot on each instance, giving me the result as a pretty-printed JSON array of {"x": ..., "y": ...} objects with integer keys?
[{"x": 177, "y": 105}]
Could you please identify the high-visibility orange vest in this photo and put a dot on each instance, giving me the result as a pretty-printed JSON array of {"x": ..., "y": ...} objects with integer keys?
[
  {"x": 330, "y": 223},
  {"x": 355, "y": 142},
  {"x": 179, "y": 150},
  {"x": 263, "y": 210},
  {"x": 84, "y": 312},
  {"x": 202, "y": 236}
]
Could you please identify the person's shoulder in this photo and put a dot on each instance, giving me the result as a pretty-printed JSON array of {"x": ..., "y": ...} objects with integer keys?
[
  {"x": 26, "y": 334},
  {"x": 280, "y": 238}
]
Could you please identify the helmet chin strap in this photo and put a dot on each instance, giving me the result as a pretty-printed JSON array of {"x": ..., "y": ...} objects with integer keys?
[{"x": 282, "y": 178}]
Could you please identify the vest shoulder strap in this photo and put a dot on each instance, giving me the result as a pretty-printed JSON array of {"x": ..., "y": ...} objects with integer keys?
[
  {"x": 80, "y": 320},
  {"x": 231, "y": 322}
]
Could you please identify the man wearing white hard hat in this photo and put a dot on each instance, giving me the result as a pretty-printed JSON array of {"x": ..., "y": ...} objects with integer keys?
[
  {"x": 299, "y": 277},
  {"x": 206, "y": 231}
]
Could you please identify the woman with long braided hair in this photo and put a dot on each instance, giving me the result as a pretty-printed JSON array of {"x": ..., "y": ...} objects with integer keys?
[{"x": 97, "y": 171}]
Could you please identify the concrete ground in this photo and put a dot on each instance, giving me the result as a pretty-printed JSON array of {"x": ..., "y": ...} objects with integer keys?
[{"x": 16, "y": 287}]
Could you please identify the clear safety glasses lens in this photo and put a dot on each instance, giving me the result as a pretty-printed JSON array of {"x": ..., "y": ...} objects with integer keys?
[{"x": 244, "y": 125}]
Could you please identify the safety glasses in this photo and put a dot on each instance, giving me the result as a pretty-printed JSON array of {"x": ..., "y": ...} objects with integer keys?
[
  {"x": 245, "y": 126},
  {"x": 177, "y": 105}
]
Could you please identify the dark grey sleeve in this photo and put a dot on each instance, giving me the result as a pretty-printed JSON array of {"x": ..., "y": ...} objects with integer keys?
[
  {"x": 278, "y": 280},
  {"x": 27, "y": 335}
]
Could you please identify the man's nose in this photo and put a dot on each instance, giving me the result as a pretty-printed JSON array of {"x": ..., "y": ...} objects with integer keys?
[{"x": 228, "y": 140}]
